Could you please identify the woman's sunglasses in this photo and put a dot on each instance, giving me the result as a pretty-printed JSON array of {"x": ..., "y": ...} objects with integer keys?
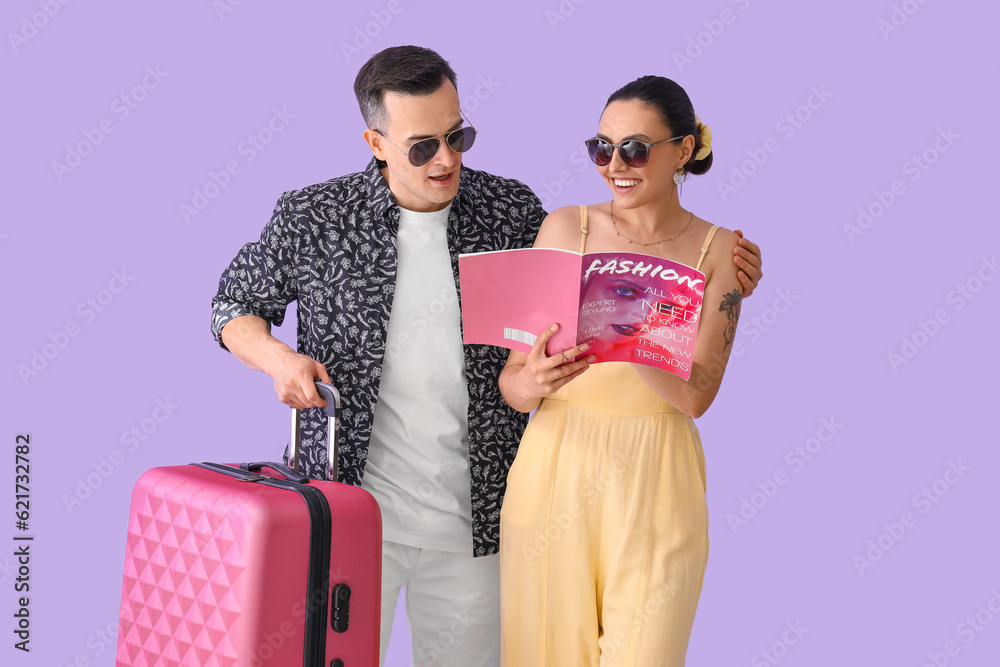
[
  {"x": 423, "y": 151},
  {"x": 633, "y": 152}
]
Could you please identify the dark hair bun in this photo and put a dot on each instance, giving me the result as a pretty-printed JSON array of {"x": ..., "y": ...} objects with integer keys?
[{"x": 698, "y": 167}]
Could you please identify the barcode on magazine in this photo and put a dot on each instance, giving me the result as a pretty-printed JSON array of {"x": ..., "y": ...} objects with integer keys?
[{"x": 519, "y": 335}]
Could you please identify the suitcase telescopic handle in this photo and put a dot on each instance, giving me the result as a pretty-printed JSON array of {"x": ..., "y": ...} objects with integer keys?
[{"x": 332, "y": 396}]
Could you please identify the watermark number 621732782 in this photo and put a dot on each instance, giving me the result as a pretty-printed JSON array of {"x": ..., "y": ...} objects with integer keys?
[{"x": 22, "y": 542}]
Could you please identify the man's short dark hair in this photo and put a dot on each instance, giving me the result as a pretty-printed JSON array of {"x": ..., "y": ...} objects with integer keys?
[{"x": 409, "y": 70}]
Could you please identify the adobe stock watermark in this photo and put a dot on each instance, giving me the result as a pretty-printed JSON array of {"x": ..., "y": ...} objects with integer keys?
[
  {"x": 246, "y": 151},
  {"x": 40, "y": 357},
  {"x": 289, "y": 630},
  {"x": 270, "y": 643},
  {"x": 703, "y": 39},
  {"x": 485, "y": 87},
  {"x": 552, "y": 190},
  {"x": 653, "y": 604},
  {"x": 797, "y": 458},
  {"x": 131, "y": 440},
  {"x": 914, "y": 167},
  {"x": 435, "y": 651},
  {"x": 562, "y": 12},
  {"x": 270, "y": 639},
  {"x": 428, "y": 489},
  {"x": 967, "y": 630},
  {"x": 559, "y": 523},
  {"x": 779, "y": 647},
  {"x": 924, "y": 501},
  {"x": 33, "y": 24},
  {"x": 225, "y": 7},
  {"x": 788, "y": 125},
  {"x": 417, "y": 326},
  {"x": 100, "y": 641},
  {"x": 370, "y": 30},
  {"x": 121, "y": 107},
  {"x": 219, "y": 528},
  {"x": 898, "y": 17},
  {"x": 561, "y": 520},
  {"x": 764, "y": 321},
  {"x": 8, "y": 568},
  {"x": 926, "y": 330},
  {"x": 416, "y": 330}
]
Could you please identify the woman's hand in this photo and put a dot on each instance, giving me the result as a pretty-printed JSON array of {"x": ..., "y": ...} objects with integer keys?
[{"x": 528, "y": 378}]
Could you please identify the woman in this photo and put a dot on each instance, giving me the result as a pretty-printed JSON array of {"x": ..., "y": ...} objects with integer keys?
[{"x": 604, "y": 526}]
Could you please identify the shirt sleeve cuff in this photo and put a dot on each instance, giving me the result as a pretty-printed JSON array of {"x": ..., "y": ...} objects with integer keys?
[{"x": 224, "y": 311}]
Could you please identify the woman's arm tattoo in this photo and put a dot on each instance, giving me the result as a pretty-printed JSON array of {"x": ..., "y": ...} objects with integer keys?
[{"x": 731, "y": 307}]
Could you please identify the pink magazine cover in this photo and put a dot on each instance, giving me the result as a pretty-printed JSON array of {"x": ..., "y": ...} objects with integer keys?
[{"x": 628, "y": 306}]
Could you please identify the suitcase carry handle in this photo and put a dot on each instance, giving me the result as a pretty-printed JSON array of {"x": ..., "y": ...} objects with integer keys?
[
  {"x": 332, "y": 396},
  {"x": 289, "y": 474}
]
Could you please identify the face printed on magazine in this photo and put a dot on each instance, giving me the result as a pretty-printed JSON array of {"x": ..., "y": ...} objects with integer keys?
[{"x": 627, "y": 316}]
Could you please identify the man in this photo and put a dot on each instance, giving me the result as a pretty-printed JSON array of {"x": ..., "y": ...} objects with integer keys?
[{"x": 372, "y": 259}]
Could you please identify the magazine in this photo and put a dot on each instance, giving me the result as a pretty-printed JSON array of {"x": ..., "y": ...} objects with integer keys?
[{"x": 627, "y": 306}]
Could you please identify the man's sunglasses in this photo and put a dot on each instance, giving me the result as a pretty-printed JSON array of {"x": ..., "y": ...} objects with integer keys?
[
  {"x": 633, "y": 152},
  {"x": 423, "y": 151}
]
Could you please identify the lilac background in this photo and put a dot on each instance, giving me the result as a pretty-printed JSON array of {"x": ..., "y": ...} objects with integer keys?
[{"x": 813, "y": 339}]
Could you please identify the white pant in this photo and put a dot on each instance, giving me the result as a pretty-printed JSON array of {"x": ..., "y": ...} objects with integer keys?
[{"x": 452, "y": 605}]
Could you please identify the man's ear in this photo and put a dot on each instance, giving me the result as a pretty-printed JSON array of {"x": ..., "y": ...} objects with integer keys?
[{"x": 376, "y": 142}]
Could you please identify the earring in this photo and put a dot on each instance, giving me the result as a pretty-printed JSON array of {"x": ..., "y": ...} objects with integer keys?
[{"x": 678, "y": 175}]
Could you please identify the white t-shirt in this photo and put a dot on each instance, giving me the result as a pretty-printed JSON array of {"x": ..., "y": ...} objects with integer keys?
[{"x": 418, "y": 458}]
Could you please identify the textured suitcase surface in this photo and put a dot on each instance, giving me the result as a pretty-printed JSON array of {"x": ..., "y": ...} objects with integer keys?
[{"x": 230, "y": 567}]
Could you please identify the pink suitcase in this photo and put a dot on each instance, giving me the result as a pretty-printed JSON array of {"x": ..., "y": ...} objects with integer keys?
[{"x": 251, "y": 566}]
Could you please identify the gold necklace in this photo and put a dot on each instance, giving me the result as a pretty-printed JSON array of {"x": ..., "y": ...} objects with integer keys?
[{"x": 615, "y": 225}]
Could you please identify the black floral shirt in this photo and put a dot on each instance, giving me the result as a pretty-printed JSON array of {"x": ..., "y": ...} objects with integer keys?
[{"x": 332, "y": 248}]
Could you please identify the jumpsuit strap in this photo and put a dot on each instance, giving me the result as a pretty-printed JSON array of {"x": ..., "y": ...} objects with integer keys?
[{"x": 704, "y": 248}]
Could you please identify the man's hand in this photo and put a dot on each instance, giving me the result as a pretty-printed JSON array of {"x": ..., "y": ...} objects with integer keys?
[
  {"x": 294, "y": 379},
  {"x": 249, "y": 339},
  {"x": 746, "y": 256}
]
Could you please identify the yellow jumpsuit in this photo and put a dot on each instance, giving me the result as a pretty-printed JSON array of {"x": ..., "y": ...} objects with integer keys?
[{"x": 604, "y": 528}]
